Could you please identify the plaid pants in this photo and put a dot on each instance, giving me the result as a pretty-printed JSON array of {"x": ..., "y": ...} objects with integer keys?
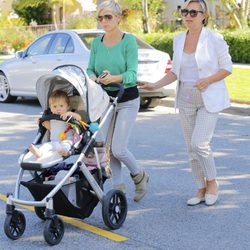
[{"x": 198, "y": 128}]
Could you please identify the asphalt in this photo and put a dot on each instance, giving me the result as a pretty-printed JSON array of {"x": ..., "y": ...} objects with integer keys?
[{"x": 162, "y": 220}]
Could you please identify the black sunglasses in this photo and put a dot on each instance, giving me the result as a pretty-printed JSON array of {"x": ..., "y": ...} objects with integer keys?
[
  {"x": 192, "y": 13},
  {"x": 105, "y": 17}
]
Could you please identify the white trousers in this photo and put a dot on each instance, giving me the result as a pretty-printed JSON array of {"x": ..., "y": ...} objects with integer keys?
[{"x": 198, "y": 128}]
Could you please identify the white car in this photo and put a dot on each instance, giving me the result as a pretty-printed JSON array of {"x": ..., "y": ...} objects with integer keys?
[{"x": 18, "y": 75}]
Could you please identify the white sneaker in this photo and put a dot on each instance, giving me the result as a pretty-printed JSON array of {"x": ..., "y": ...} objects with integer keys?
[{"x": 195, "y": 201}]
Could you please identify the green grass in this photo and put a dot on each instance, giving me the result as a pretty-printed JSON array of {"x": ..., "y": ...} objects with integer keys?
[{"x": 238, "y": 84}]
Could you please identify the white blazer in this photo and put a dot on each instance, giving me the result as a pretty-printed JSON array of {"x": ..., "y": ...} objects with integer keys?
[{"x": 211, "y": 55}]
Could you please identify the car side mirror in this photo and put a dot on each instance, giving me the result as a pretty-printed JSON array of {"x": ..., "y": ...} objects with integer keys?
[{"x": 19, "y": 54}]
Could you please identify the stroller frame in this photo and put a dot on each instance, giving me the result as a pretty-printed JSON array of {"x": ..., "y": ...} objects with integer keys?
[{"x": 114, "y": 220}]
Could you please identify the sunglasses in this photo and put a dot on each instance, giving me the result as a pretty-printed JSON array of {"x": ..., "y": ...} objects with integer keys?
[
  {"x": 192, "y": 13},
  {"x": 105, "y": 17}
]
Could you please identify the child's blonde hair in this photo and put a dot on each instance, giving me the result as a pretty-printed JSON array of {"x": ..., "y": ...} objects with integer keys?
[{"x": 58, "y": 94}]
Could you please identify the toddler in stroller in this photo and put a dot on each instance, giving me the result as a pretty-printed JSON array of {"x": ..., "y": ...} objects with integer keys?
[
  {"x": 61, "y": 135},
  {"x": 80, "y": 186}
]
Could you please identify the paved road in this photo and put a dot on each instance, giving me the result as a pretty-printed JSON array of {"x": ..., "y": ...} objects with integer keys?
[{"x": 162, "y": 220}]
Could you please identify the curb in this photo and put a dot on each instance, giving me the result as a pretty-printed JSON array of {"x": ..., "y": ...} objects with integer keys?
[{"x": 235, "y": 109}]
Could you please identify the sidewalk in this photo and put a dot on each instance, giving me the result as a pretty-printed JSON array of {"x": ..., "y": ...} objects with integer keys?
[
  {"x": 235, "y": 109},
  {"x": 241, "y": 65},
  {"x": 5, "y": 57}
]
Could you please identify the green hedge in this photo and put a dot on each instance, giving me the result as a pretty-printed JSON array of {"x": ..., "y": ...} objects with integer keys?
[
  {"x": 238, "y": 41},
  {"x": 239, "y": 45}
]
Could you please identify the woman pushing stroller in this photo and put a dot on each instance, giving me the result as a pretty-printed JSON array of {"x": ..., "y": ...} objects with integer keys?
[
  {"x": 121, "y": 67},
  {"x": 61, "y": 135}
]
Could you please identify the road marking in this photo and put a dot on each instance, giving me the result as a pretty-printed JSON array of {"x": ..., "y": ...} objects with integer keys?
[{"x": 81, "y": 225}]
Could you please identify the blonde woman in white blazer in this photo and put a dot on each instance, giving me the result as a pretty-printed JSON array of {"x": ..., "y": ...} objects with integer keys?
[{"x": 200, "y": 63}]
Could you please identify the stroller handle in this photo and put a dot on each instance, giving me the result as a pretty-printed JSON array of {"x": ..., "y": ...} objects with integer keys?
[{"x": 120, "y": 91}]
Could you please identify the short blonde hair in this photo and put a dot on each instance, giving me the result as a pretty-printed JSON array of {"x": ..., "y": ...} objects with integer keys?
[
  {"x": 203, "y": 7},
  {"x": 58, "y": 94},
  {"x": 110, "y": 5}
]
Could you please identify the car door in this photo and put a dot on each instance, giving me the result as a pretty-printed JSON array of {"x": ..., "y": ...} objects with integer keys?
[{"x": 35, "y": 62}]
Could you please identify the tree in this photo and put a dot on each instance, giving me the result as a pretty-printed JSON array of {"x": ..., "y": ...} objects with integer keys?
[
  {"x": 148, "y": 8},
  {"x": 37, "y": 10},
  {"x": 44, "y": 11},
  {"x": 69, "y": 5},
  {"x": 239, "y": 12}
]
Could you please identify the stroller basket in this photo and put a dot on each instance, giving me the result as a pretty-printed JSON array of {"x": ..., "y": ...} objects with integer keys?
[{"x": 85, "y": 198}]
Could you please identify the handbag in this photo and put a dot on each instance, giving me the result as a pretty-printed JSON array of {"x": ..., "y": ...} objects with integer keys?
[{"x": 99, "y": 158}]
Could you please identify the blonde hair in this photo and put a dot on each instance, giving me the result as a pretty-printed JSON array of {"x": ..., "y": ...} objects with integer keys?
[
  {"x": 204, "y": 8},
  {"x": 58, "y": 94},
  {"x": 110, "y": 5}
]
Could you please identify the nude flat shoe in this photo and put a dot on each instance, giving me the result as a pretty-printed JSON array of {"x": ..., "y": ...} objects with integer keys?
[
  {"x": 210, "y": 199},
  {"x": 195, "y": 201}
]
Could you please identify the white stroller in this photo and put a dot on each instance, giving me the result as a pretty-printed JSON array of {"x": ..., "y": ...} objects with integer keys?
[{"x": 55, "y": 198}]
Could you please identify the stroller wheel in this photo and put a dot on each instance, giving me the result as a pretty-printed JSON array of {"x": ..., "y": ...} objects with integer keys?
[
  {"x": 40, "y": 212},
  {"x": 14, "y": 225},
  {"x": 114, "y": 209},
  {"x": 53, "y": 230}
]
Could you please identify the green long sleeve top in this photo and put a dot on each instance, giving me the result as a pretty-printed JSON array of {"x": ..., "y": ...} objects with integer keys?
[{"x": 121, "y": 59}]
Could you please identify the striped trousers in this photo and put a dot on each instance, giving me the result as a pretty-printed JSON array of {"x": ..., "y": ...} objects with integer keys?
[{"x": 198, "y": 128}]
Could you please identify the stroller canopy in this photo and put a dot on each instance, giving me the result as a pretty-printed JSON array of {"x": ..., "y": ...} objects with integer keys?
[{"x": 74, "y": 81}]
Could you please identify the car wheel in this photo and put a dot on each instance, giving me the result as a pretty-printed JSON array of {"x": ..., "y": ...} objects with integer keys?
[
  {"x": 149, "y": 102},
  {"x": 5, "y": 90}
]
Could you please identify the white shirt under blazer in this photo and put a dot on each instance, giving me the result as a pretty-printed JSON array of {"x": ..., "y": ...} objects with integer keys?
[{"x": 211, "y": 55}]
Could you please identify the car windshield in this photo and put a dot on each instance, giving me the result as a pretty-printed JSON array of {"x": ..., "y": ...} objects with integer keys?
[{"x": 88, "y": 37}]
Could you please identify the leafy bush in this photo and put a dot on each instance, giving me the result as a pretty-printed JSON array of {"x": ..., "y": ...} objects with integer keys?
[
  {"x": 15, "y": 39},
  {"x": 10, "y": 23},
  {"x": 161, "y": 41},
  {"x": 238, "y": 42}
]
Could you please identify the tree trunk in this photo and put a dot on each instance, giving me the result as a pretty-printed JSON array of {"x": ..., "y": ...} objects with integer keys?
[
  {"x": 54, "y": 16},
  {"x": 146, "y": 28},
  {"x": 245, "y": 6},
  {"x": 232, "y": 12}
]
